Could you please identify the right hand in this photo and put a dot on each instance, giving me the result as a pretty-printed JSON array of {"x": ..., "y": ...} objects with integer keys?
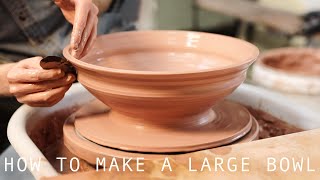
[
  {"x": 83, "y": 14},
  {"x": 34, "y": 86}
]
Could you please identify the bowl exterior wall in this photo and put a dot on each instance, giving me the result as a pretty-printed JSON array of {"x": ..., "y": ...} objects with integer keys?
[{"x": 160, "y": 98}]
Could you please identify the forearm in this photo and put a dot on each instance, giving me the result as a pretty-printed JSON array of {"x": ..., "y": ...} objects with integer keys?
[
  {"x": 4, "y": 84},
  {"x": 102, "y": 5}
]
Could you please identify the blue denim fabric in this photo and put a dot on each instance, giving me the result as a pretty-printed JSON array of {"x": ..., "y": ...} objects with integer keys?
[{"x": 38, "y": 28}]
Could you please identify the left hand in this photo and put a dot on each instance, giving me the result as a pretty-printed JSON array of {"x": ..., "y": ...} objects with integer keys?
[
  {"x": 35, "y": 86},
  {"x": 83, "y": 14}
]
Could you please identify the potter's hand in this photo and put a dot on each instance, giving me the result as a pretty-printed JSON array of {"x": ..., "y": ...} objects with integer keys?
[
  {"x": 83, "y": 14},
  {"x": 34, "y": 86}
]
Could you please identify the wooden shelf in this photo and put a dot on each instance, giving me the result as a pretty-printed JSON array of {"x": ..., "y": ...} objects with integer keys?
[{"x": 253, "y": 12}]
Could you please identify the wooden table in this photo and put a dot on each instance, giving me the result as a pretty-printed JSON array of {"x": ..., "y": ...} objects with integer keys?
[{"x": 304, "y": 145}]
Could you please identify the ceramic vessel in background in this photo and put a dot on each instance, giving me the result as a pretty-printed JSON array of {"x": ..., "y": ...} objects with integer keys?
[
  {"x": 290, "y": 70},
  {"x": 164, "y": 78}
]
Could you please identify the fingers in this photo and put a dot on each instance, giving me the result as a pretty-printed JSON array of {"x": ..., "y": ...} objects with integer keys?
[
  {"x": 30, "y": 63},
  {"x": 20, "y": 75},
  {"x": 29, "y": 70},
  {"x": 85, "y": 22},
  {"x": 47, "y": 104},
  {"x": 32, "y": 85},
  {"x": 28, "y": 88},
  {"x": 91, "y": 39},
  {"x": 45, "y": 98},
  {"x": 90, "y": 34},
  {"x": 81, "y": 15}
]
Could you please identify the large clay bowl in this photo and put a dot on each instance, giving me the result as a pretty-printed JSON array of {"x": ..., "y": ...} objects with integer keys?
[{"x": 163, "y": 78}]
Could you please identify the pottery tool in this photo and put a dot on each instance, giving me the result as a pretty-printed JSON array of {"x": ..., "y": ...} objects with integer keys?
[{"x": 51, "y": 62}]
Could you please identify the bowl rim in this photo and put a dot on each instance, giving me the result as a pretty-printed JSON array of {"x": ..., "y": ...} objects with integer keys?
[{"x": 92, "y": 67}]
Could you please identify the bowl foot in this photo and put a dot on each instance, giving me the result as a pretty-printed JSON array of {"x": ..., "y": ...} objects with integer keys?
[
  {"x": 224, "y": 124},
  {"x": 89, "y": 149}
]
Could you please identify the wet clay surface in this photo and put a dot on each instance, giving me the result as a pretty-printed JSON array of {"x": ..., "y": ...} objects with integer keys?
[
  {"x": 229, "y": 121},
  {"x": 175, "y": 51},
  {"x": 154, "y": 81},
  {"x": 271, "y": 126},
  {"x": 299, "y": 61},
  {"x": 48, "y": 136},
  {"x": 89, "y": 150},
  {"x": 49, "y": 139},
  {"x": 174, "y": 61}
]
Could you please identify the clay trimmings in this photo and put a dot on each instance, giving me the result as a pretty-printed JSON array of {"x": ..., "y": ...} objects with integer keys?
[
  {"x": 173, "y": 61},
  {"x": 295, "y": 61}
]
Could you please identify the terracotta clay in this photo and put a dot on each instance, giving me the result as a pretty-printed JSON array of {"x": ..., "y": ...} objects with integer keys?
[
  {"x": 89, "y": 150},
  {"x": 160, "y": 82},
  {"x": 294, "y": 60},
  {"x": 252, "y": 135},
  {"x": 290, "y": 70},
  {"x": 48, "y": 132},
  {"x": 160, "y": 96},
  {"x": 271, "y": 126},
  {"x": 230, "y": 122}
]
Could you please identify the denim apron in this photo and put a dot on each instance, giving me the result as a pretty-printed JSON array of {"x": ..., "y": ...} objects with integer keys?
[{"x": 38, "y": 28}]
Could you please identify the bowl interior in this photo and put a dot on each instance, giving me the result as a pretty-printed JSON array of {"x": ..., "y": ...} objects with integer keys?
[
  {"x": 167, "y": 52},
  {"x": 161, "y": 60}
]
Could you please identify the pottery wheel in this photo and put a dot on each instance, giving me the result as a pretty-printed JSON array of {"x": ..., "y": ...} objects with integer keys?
[
  {"x": 232, "y": 121},
  {"x": 89, "y": 150}
]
